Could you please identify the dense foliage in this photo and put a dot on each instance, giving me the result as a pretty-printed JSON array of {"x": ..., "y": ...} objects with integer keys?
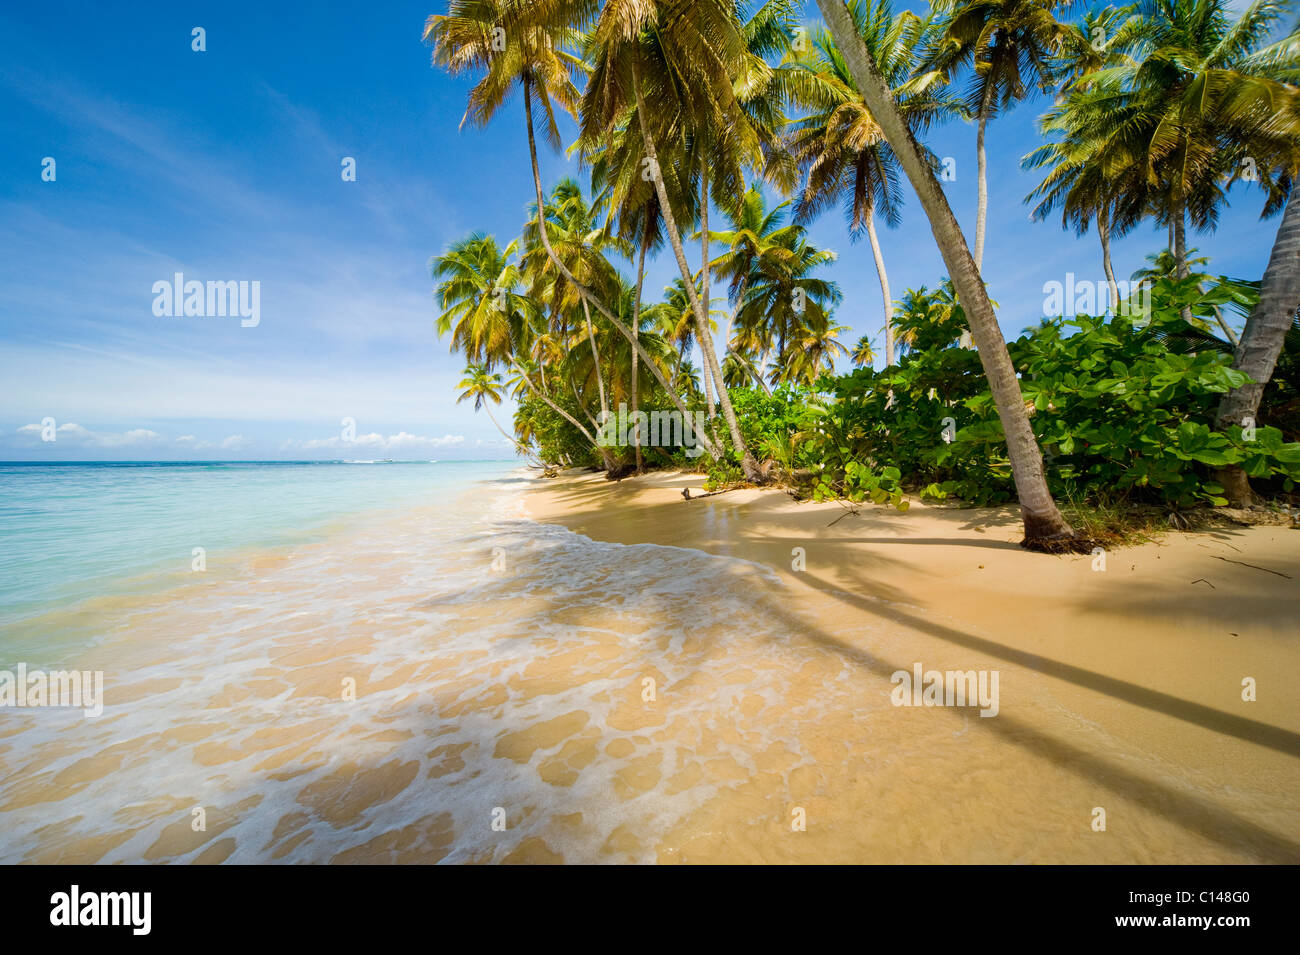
[{"x": 1116, "y": 410}]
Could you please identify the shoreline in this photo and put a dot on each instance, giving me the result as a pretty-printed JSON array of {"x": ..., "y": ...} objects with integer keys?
[{"x": 1151, "y": 651}]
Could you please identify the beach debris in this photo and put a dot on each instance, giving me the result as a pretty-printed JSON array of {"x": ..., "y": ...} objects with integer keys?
[
  {"x": 688, "y": 496},
  {"x": 1202, "y": 580},
  {"x": 848, "y": 509},
  {"x": 1229, "y": 560}
]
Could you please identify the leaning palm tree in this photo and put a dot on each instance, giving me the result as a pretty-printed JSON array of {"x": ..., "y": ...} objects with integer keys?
[
  {"x": 484, "y": 387},
  {"x": 668, "y": 69},
  {"x": 580, "y": 240},
  {"x": 525, "y": 45},
  {"x": 845, "y": 157},
  {"x": 1045, "y": 527},
  {"x": 491, "y": 322}
]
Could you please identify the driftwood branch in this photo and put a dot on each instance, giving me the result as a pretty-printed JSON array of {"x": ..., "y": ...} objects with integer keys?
[{"x": 1252, "y": 566}]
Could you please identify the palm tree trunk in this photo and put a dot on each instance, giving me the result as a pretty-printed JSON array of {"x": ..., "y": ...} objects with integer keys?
[
  {"x": 595, "y": 360},
  {"x": 519, "y": 445},
  {"x": 681, "y": 357},
  {"x": 1103, "y": 230},
  {"x": 1180, "y": 243},
  {"x": 982, "y": 196},
  {"x": 884, "y": 289},
  {"x": 1180, "y": 253},
  {"x": 636, "y": 328},
  {"x": 753, "y": 372},
  {"x": 735, "y": 312},
  {"x": 1263, "y": 336},
  {"x": 718, "y": 385},
  {"x": 557, "y": 409},
  {"x": 707, "y": 381},
  {"x": 1045, "y": 527},
  {"x": 1225, "y": 327},
  {"x": 607, "y": 457},
  {"x": 710, "y": 447},
  {"x": 748, "y": 464}
]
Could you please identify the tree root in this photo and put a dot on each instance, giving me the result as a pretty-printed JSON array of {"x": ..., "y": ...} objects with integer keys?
[{"x": 1059, "y": 545}]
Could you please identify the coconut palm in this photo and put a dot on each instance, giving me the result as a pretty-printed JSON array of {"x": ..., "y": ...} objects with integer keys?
[
  {"x": 786, "y": 305},
  {"x": 844, "y": 155},
  {"x": 526, "y": 46},
  {"x": 580, "y": 241},
  {"x": 1007, "y": 46},
  {"x": 1045, "y": 527},
  {"x": 757, "y": 234},
  {"x": 480, "y": 299},
  {"x": 1198, "y": 94},
  {"x": 671, "y": 73},
  {"x": 864, "y": 352},
  {"x": 484, "y": 387}
]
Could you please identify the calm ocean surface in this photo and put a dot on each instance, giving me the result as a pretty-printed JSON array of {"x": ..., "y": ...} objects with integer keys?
[{"x": 70, "y": 532}]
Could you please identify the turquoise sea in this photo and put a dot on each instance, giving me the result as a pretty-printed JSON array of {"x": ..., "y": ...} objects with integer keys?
[{"x": 70, "y": 532}]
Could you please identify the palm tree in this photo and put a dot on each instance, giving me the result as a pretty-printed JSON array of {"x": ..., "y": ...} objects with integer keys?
[
  {"x": 490, "y": 321},
  {"x": 1196, "y": 96},
  {"x": 816, "y": 353},
  {"x": 526, "y": 45},
  {"x": 840, "y": 147},
  {"x": 479, "y": 297},
  {"x": 1008, "y": 46},
  {"x": 580, "y": 242},
  {"x": 670, "y": 72},
  {"x": 485, "y": 388},
  {"x": 756, "y": 236},
  {"x": 785, "y": 305},
  {"x": 1083, "y": 181},
  {"x": 1045, "y": 527},
  {"x": 864, "y": 352}
]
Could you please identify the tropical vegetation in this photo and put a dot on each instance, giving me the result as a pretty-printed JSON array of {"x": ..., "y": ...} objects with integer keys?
[{"x": 712, "y": 132}]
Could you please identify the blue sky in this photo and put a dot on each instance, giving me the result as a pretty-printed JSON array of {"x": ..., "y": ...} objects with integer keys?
[{"x": 224, "y": 165}]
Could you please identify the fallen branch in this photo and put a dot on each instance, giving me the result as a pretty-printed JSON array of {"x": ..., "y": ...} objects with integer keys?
[
  {"x": 686, "y": 494},
  {"x": 1254, "y": 566}
]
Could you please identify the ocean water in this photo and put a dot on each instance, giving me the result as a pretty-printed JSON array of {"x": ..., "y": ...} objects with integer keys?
[
  {"x": 72, "y": 532},
  {"x": 377, "y": 664}
]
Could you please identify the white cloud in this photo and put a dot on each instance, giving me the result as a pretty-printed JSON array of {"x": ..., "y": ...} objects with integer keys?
[
  {"x": 72, "y": 433},
  {"x": 402, "y": 442}
]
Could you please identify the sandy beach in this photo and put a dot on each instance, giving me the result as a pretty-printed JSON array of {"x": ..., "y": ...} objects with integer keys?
[{"x": 1121, "y": 689}]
